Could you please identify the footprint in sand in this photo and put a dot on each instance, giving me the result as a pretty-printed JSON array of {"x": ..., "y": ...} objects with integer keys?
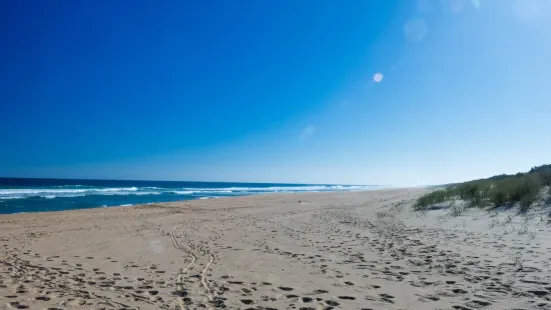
[
  {"x": 17, "y": 305},
  {"x": 247, "y": 301},
  {"x": 347, "y": 297},
  {"x": 332, "y": 303}
]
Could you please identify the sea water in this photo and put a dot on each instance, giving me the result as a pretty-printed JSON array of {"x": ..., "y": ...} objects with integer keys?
[{"x": 39, "y": 195}]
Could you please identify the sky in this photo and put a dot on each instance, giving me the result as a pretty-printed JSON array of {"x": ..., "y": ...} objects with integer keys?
[{"x": 393, "y": 92}]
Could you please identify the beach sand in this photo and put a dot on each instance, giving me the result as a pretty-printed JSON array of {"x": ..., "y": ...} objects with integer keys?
[{"x": 357, "y": 250}]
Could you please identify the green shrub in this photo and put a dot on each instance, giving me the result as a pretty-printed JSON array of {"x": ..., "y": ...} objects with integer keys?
[
  {"x": 522, "y": 188},
  {"x": 499, "y": 197},
  {"x": 526, "y": 188},
  {"x": 432, "y": 198},
  {"x": 546, "y": 177},
  {"x": 527, "y": 200},
  {"x": 467, "y": 191}
]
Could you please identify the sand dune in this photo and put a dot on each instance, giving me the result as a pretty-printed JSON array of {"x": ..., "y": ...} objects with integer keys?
[{"x": 362, "y": 250}]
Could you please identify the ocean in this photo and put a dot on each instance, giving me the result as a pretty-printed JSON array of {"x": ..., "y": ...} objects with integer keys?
[{"x": 40, "y": 195}]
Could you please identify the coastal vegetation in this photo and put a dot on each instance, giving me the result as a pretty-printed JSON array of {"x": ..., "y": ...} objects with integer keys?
[{"x": 522, "y": 189}]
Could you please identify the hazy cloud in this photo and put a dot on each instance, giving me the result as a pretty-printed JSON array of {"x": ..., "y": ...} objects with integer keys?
[
  {"x": 424, "y": 5},
  {"x": 415, "y": 29},
  {"x": 454, "y": 6},
  {"x": 531, "y": 11},
  {"x": 307, "y": 132}
]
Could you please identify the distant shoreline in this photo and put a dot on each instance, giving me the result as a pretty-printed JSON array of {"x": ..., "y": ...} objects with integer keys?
[
  {"x": 298, "y": 197},
  {"x": 46, "y": 195}
]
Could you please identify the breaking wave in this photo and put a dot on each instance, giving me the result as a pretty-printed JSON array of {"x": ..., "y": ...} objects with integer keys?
[{"x": 79, "y": 190}]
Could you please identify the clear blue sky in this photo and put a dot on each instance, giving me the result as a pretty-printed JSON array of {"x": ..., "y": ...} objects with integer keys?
[{"x": 366, "y": 92}]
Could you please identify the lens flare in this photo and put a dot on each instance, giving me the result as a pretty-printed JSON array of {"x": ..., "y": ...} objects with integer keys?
[{"x": 378, "y": 77}]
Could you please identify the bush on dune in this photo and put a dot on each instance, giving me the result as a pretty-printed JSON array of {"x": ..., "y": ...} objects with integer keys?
[
  {"x": 432, "y": 198},
  {"x": 499, "y": 196},
  {"x": 521, "y": 188},
  {"x": 544, "y": 173}
]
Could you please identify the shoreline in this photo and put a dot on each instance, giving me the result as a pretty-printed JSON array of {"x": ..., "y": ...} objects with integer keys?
[
  {"x": 344, "y": 250},
  {"x": 180, "y": 203},
  {"x": 54, "y": 195},
  {"x": 206, "y": 198}
]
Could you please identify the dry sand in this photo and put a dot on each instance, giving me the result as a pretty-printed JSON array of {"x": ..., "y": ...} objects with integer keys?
[{"x": 362, "y": 250}]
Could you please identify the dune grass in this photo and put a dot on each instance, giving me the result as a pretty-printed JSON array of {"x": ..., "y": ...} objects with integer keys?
[{"x": 522, "y": 189}]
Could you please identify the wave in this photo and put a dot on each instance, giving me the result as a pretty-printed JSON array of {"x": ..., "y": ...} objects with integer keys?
[
  {"x": 292, "y": 189},
  {"x": 183, "y": 192},
  {"x": 54, "y": 190},
  {"x": 50, "y": 193},
  {"x": 197, "y": 192}
]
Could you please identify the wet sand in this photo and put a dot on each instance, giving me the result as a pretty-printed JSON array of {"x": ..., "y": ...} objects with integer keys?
[{"x": 360, "y": 250}]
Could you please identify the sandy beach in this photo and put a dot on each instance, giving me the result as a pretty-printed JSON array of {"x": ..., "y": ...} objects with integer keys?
[{"x": 356, "y": 250}]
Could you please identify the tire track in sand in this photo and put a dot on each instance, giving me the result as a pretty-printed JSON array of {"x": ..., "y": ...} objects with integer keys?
[
  {"x": 204, "y": 272},
  {"x": 205, "y": 281},
  {"x": 196, "y": 252},
  {"x": 182, "y": 271},
  {"x": 179, "y": 247}
]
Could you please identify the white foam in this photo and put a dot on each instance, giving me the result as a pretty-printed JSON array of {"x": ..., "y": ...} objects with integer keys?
[
  {"x": 115, "y": 189},
  {"x": 184, "y": 192},
  {"x": 306, "y": 188},
  {"x": 144, "y": 193},
  {"x": 27, "y": 191},
  {"x": 61, "y": 192},
  {"x": 50, "y": 193}
]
